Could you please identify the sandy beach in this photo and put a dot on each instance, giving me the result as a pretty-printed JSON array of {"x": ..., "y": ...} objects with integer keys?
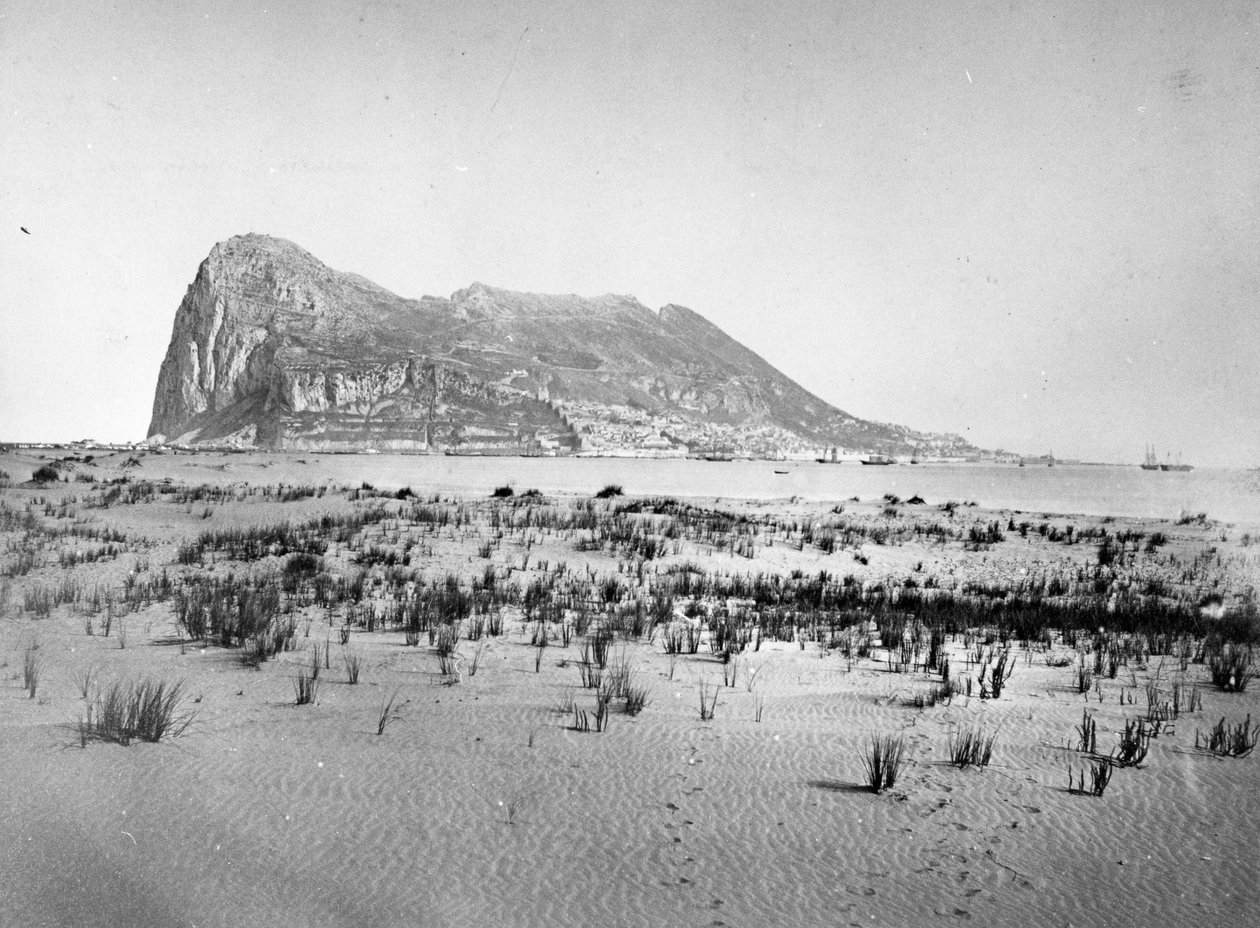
[{"x": 464, "y": 779}]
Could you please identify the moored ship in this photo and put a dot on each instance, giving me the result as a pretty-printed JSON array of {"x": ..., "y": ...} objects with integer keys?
[{"x": 1150, "y": 463}]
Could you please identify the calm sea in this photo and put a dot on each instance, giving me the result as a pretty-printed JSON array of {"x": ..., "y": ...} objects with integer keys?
[{"x": 1227, "y": 495}]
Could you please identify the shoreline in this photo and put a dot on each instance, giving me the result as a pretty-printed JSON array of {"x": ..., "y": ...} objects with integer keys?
[{"x": 1087, "y": 490}]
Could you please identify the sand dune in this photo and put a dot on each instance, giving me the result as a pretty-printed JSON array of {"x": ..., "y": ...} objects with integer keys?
[{"x": 480, "y": 805}]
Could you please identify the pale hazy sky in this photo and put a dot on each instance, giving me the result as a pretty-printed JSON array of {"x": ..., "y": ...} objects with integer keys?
[{"x": 1035, "y": 224}]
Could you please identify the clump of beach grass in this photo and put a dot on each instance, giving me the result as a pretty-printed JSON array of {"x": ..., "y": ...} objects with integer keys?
[
  {"x": 389, "y": 712},
  {"x": 354, "y": 663},
  {"x": 1135, "y": 741},
  {"x": 1099, "y": 778},
  {"x": 1087, "y": 733},
  {"x": 883, "y": 761},
  {"x": 146, "y": 710},
  {"x": 1230, "y": 667},
  {"x": 593, "y": 721},
  {"x": 971, "y": 748},
  {"x": 32, "y": 668},
  {"x": 636, "y": 696},
  {"x": 1237, "y": 740},
  {"x": 306, "y": 683},
  {"x": 513, "y": 807},
  {"x": 708, "y": 700}
]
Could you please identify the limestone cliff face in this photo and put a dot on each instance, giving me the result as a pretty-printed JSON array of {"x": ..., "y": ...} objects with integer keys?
[
  {"x": 272, "y": 348},
  {"x": 302, "y": 388},
  {"x": 210, "y": 365}
]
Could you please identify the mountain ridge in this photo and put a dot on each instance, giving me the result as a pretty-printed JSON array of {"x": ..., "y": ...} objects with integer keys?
[{"x": 271, "y": 348}]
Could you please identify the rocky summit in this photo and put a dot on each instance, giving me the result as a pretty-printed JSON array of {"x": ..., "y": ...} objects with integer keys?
[{"x": 273, "y": 349}]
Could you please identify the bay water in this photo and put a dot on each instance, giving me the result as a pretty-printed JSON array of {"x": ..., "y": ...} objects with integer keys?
[{"x": 1222, "y": 494}]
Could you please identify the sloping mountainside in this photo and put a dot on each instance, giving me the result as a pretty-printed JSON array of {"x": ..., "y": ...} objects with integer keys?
[{"x": 271, "y": 348}]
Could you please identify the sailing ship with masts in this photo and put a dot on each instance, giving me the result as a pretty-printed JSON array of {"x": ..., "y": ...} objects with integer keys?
[{"x": 1152, "y": 463}]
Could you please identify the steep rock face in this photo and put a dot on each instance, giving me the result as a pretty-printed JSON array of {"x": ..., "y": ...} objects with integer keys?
[
  {"x": 209, "y": 366},
  {"x": 270, "y": 347}
]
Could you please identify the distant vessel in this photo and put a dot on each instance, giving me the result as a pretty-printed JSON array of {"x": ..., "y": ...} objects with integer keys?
[
  {"x": 1150, "y": 463},
  {"x": 877, "y": 459}
]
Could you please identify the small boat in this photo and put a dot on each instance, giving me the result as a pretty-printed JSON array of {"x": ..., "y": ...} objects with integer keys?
[
  {"x": 780, "y": 472},
  {"x": 878, "y": 459}
]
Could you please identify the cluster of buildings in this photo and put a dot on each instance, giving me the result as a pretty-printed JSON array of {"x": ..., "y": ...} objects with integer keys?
[
  {"x": 625, "y": 431},
  {"x": 83, "y": 444}
]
